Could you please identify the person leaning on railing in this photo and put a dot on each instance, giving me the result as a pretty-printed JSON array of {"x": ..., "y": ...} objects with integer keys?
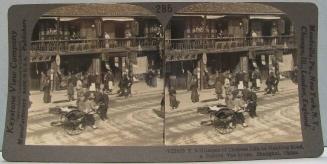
[
  {"x": 106, "y": 37},
  {"x": 254, "y": 38}
]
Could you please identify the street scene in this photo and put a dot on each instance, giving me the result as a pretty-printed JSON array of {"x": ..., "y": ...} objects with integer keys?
[
  {"x": 113, "y": 75},
  {"x": 96, "y": 77},
  {"x": 132, "y": 121},
  {"x": 278, "y": 120},
  {"x": 231, "y": 76}
]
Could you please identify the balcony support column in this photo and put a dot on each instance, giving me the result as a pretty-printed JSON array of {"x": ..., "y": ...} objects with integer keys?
[{"x": 202, "y": 65}]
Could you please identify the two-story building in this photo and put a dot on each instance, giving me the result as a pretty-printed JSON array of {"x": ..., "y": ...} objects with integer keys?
[
  {"x": 92, "y": 38},
  {"x": 235, "y": 37}
]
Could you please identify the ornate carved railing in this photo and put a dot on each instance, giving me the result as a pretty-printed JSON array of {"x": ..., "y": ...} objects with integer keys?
[
  {"x": 93, "y": 44},
  {"x": 226, "y": 43},
  {"x": 223, "y": 43}
]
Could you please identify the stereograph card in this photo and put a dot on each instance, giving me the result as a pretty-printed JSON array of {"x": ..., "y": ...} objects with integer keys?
[{"x": 162, "y": 82}]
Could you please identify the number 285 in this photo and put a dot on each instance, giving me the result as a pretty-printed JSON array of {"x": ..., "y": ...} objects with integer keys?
[{"x": 164, "y": 8}]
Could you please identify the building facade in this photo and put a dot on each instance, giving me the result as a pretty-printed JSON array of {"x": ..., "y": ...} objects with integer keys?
[
  {"x": 206, "y": 38},
  {"x": 91, "y": 39}
]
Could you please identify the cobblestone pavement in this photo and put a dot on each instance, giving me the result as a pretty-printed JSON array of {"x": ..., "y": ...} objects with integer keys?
[
  {"x": 278, "y": 120},
  {"x": 132, "y": 121}
]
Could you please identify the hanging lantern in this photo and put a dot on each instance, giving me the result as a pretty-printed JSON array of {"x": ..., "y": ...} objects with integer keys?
[{"x": 58, "y": 60}]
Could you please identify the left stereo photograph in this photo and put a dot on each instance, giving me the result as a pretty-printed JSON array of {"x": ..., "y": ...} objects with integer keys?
[{"x": 96, "y": 77}]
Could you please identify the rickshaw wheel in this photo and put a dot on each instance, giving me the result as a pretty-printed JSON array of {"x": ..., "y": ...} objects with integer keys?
[
  {"x": 224, "y": 130},
  {"x": 222, "y": 126},
  {"x": 73, "y": 132},
  {"x": 72, "y": 127}
]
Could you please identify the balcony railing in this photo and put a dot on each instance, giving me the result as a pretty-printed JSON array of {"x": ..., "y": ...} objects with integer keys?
[
  {"x": 94, "y": 44},
  {"x": 229, "y": 43},
  {"x": 141, "y": 43}
]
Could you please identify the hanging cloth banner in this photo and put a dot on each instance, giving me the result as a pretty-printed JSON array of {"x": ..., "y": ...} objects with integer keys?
[
  {"x": 181, "y": 56},
  {"x": 204, "y": 58},
  {"x": 263, "y": 59}
]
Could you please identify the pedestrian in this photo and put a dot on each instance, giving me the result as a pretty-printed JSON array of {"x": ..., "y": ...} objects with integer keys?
[
  {"x": 46, "y": 90},
  {"x": 206, "y": 79},
  {"x": 154, "y": 79},
  {"x": 250, "y": 98},
  {"x": 270, "y": 82},
  {"x": 102, "y": 99},
  {"x": 85, "y": 81},
  {"x": 227, "y": 86},
  {"x": 255, "y": 79},
  {"x": 194, "y": 89},
  {"x": 246, "y": 79},
  {"x": 162, "y": 104},
  {"x": 79, "y": 88},
  {"x": 70, "y": 88},
  {"x": 129, "y": 84},
  {"x": 173, "y": 102},
  {"x": 188, "y": 80},
  {"x": 150, "y": 78},
  {"x": 240, "y": 80},
  {"x": 108, "y": 81},
  {"x": 42, "y": 80},
  {"x": 125, "y": 86},
  {"x": 277, "y": 75},
  {"x": 238, "y": 107},
  {"x": 219, "y": 88},
  {"x": 89, "y": 110}
]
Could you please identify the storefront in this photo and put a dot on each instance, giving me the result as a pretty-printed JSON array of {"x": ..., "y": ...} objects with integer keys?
[
  {"x": 179, "y": 64},
  {"x": 39, "y": 64}
]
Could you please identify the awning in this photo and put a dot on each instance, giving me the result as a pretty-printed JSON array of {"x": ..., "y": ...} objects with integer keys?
[
  {"x": 55, "y": 18},
  {"x": 182, "y": 15},
  {"x": 62, "y": 19},
  {"x": 268, "y": 17},
  {"x": 202, "y": 16},
  {"x": 215, "y": 16},
  {"x": 66, "y": 19},
  {"x": 120, "y": 19}
]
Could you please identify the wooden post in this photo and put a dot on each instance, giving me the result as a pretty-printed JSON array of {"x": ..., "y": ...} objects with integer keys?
[{"x": 201, "y": 66}]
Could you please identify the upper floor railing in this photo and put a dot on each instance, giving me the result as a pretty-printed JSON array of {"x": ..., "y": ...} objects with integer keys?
[
  {"x": 141, "y": 43},
  {"x": 94, "y": 44},
  {"x": 227, "y": 43}
]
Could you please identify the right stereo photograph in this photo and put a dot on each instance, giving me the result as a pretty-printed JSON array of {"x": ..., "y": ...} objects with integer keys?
[{"x": 231, "y": 76}]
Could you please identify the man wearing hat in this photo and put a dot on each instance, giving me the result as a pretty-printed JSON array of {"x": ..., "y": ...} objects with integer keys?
[
  {"x": 90, "y": 108},
  {"x": 102, "y": 99}
]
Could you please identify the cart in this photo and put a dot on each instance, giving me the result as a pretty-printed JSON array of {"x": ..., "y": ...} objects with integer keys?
[{"x": 70, "y": 118}]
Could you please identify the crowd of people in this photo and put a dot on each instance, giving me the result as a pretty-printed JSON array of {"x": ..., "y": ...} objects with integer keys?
[
  {"x": 91, "y": 92},
  {"x": 237, "y": 91}
]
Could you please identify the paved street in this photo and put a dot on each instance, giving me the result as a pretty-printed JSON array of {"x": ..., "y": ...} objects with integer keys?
[
  {"x": 132, "y": 121},
  {"x": 278, "y": 120}
]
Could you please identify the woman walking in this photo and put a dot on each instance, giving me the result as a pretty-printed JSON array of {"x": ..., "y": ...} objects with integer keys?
[{"x": 194, "y": 89}]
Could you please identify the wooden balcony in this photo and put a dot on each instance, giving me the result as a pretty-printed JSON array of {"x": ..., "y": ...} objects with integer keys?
[
  {"x": 206, "y": 45},
  {"x": 229, "y": 44},
  {"x": 80, "y": 46}
]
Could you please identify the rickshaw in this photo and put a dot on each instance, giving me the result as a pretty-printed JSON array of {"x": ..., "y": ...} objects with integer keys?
[
  {"x": 220, "y": 117},
  {"x": 70, "y": 118}
]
